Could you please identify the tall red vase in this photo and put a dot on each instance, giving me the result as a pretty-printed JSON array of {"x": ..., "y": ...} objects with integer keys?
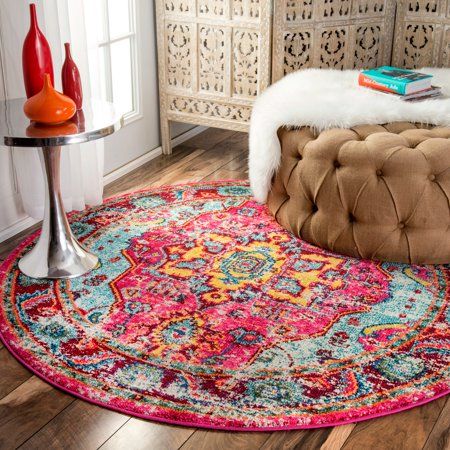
[
  {"x": 36, "y": 57},
  {"x": 71, "y": 80}
]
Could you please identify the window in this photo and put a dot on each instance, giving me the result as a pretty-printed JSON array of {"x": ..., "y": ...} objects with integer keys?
[{"x": 112, "y": 38}]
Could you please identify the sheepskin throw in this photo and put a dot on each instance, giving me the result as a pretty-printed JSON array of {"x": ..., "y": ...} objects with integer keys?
[{"x": 324, "y": 99}]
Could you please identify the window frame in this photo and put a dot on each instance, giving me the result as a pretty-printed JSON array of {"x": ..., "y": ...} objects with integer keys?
[{"x": 133, "y": 38}]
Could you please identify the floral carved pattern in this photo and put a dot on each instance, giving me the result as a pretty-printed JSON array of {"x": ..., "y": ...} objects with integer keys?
[
  {"x": 211, "y": 61},
  {"x": 297, "y": 50},
  {"x": 418, "y": 45},
  {"x": 249, "y": 9},
  {"x": 299, "y": 10},
  {"x": 331, "y": 9},
  {"x": 332, "y": 48},
  {"x": 178, "y": 6},
  {"x": 369, "y": 7},
  {"x": 211, "y": 8},
  {"x": 213, "y": 109},
  {"x": 367, "y": 46},
  {"x": 179, "y": 66},
  {"x": 245, "y": 63},
  {"x": 423, "y": 6}
]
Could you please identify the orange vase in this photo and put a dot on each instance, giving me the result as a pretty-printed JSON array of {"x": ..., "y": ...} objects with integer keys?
[{"x": 49, "y": 106}]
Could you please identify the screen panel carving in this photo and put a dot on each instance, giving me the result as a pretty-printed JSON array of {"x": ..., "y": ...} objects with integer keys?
[
  {"x": 179, "y": 55},
  {"x": 422, "y": 33},
  {"x": 213, "y": 60},
  {"x": 179, "y": 6},
  {"x": 248, "y": 9},
  {"x": 338, "y": 34}
]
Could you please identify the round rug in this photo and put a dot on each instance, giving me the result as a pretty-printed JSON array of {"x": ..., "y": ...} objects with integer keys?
[{"x": 205, "y": 312}]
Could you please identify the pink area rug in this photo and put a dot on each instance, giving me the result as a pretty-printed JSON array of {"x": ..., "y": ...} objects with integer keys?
[{"x": 205, "y": 312}]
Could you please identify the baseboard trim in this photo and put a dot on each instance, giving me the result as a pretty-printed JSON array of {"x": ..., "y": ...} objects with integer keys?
[
  {"x": 17, "y": 227},
  {"x": 146, "y": 157},
  {"x": 132, "y": 165},
  {"x": 28, "y": 222}
]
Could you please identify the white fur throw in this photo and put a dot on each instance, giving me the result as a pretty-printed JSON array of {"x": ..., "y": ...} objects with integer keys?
[{"x": 325, "y": 99}]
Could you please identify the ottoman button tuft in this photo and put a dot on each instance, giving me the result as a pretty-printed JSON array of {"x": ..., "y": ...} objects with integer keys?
[
  {"x": 432, "y": 177},
  {"x": 401, "y": 225},
  {"x": 379, "y": 172},
  {"x": 337, "y": 164}
]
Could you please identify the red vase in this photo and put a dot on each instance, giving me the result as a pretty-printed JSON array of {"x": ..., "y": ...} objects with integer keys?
[
  {"x": 71, "y": 80},
  {"x": 36, "y": 57}
]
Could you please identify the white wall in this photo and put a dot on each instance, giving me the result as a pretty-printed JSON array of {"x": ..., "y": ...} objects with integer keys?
[{"x": 14, "y": 24}]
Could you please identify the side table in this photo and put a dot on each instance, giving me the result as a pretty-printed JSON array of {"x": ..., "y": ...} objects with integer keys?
[{"x": 57, "y": 254}]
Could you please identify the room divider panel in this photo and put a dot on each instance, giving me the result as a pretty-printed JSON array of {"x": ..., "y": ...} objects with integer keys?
[
  {"x": 216, "y": 56},
  {"x": 214, "y": 59}
]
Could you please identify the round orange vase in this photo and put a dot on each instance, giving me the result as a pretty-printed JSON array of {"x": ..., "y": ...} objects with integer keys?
[{"x": 49, "y": 106}]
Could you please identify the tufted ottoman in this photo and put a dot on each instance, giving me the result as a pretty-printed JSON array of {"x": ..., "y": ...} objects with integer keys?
[{"x": 372, "y": 191}]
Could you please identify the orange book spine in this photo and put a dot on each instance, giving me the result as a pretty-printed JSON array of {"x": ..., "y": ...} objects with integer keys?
[{"x": 368, "y": 82}]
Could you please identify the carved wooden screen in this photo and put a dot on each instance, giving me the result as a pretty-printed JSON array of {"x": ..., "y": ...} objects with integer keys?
[
  {"x": 339, "y": 34},
  {"x": 422, "y": 33},
  {"x": 214, "y": 59}
]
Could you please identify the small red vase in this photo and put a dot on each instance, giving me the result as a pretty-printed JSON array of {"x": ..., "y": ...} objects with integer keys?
[
  {"x": 36, "y": 57},
  {"x": 71, "y": 80}
]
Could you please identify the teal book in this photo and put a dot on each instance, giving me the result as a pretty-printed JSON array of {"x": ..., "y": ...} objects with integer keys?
[{"x": 393, "y": 79}]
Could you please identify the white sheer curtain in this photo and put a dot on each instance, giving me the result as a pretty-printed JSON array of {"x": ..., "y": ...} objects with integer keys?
[{"x": 81, "y": 165}]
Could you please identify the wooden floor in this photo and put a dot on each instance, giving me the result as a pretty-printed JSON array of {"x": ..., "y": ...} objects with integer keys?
[{"x": 33, "y": 415}]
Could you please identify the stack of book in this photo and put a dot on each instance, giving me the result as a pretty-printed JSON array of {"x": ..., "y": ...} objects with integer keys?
[{"x": 405, "y": 84}]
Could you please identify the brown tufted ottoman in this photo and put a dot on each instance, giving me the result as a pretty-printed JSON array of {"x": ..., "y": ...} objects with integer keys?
[{"x": 372, "y": 191}]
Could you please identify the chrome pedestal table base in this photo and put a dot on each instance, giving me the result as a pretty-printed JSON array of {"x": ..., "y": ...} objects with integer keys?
[{"x": 57, "y": 254}]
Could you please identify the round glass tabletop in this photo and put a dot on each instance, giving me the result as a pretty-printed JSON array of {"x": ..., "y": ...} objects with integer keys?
[{"x": 96, "y": 120}]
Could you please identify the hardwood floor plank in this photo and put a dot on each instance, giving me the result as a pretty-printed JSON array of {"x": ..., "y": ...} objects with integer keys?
[
  {"x": 197, "y": 168},
  {"x": 439, "y": 438},
  {"x": 210, "y": 138},
  {"x": 337, "y": 437},
  {"x": 166, "y": 175},
  {"x": 8, "y": 246},
  {"x": 28, "y": 408},
  {"x": 236, "y": 142},
  {"x": 298, "y": 440},
  {"x": 407, "y": 430},
  {"x": 238, "y": 163},
  {"x": 236, "y": 169},
  {"x": 12, "y": 373},
  {"x": 224, "y": 440},
  {"x": 139, "y": 176},
  {"x": 80, "y": 426},
  {"x": 139, "y": 434},
  {"x": 223, "y": 174}
]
